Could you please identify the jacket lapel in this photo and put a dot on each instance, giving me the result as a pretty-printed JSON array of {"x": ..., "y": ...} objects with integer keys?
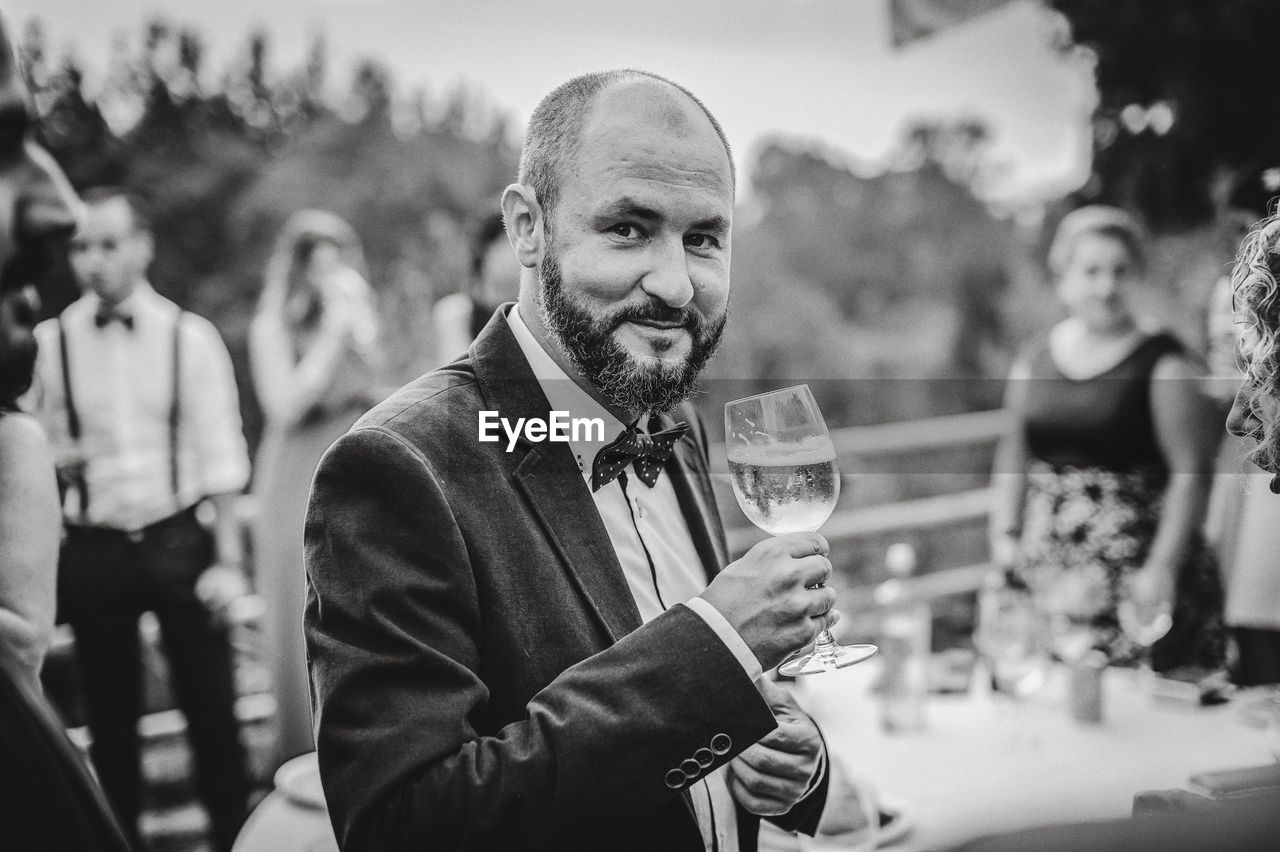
[
  {"x": 688, "y": 471},
  {"x": 549, "y": 478}
]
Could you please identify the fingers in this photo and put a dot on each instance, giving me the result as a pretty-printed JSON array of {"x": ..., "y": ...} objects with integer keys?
[
  {"x": 791, "y": 764},
  {"x": 770, "y": 790},
  {"x": 804, "y": 544}
]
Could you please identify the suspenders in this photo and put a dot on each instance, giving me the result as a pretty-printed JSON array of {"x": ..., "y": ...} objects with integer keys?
[{"x": 75, "y": 429}]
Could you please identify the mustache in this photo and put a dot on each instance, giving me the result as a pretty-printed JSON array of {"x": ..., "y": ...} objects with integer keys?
[{"x": 655, "y": 310}]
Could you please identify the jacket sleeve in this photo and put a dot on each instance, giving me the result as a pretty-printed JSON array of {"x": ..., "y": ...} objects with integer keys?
[{"x": 393, "y": 623}]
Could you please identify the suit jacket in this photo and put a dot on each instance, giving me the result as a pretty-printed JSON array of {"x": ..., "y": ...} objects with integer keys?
[{"x": 480, "y": 675}]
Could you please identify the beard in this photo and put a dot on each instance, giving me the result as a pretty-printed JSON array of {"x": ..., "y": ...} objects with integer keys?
[{"x": 624, "y": 381}]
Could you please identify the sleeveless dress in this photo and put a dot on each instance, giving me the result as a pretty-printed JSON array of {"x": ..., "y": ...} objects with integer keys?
[
  {"x": 1094, "y": 496},
  {"x": 285, "y": 465}
]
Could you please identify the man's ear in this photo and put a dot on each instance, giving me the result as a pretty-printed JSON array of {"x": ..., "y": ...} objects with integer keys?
[
  {"x": 523, "y": 217},
  {"x": 146, "y": 248}
]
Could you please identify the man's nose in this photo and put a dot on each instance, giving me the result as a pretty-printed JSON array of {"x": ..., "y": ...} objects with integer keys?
[
  {"x": 668, "y": 279},
  {"x": 47, "y": 207}
]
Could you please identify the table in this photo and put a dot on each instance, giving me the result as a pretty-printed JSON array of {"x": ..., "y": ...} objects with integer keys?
[{"x": 983, "y": 766}]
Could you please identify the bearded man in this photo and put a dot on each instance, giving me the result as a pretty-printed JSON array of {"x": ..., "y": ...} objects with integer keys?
[{"x": 533, "y": 638}]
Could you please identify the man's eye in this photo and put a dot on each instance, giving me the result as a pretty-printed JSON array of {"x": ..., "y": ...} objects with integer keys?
[
  {"x": 624, "y": 229},
  {"x": 702, "y": 241}
]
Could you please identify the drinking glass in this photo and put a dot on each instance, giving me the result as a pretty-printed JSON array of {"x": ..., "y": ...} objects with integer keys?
[
  {"x": 783, "y": 468},
  {"x": 1143, "y": 625},
  {"x": 1010, "y": 636}
]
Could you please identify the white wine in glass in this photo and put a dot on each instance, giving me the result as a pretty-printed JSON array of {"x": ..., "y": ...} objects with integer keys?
[{"x": 785, "y": 478}]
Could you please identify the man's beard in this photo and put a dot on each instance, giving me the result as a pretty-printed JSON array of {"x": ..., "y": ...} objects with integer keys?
[{"x": 625, "y": 383}]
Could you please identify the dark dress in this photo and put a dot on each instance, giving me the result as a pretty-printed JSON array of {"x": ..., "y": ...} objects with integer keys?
[{"x": 1094, "y": 497}]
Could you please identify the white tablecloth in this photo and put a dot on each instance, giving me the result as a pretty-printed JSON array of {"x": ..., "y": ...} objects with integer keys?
[{"x": 983, "y": 766}]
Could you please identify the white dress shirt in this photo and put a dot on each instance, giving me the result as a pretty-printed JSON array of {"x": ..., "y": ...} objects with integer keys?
[
  {"x": 122, "y": 387},
  {"x": 640, "y": 519}
]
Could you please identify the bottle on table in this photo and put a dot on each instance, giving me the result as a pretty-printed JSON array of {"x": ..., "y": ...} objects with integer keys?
[{"x": 906, "y": 625}]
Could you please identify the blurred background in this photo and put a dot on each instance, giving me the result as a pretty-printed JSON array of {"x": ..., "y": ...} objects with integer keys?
[
  {"x": 902, "y": 165},
  {"x": 900, "y": 161}
]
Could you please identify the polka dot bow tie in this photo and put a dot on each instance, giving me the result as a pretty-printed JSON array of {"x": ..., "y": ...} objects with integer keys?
[{"x": 648, "y": 452}]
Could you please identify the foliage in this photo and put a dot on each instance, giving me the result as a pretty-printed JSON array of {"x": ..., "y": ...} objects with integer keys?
[
  {"x": 1188, "y": 113},
  {"x": 221, "y": 167}
]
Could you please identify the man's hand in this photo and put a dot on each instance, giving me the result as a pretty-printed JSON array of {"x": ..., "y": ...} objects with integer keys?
[
  {"x": 771, "y": 776},
  {"x": 219, "y": 585},
  {"x": 768, "y": 595}
]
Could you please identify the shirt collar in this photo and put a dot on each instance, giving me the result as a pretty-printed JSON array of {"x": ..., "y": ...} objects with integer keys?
[
  {"x": 564, "y": 394},
  {"x": 129, "y": 304}
]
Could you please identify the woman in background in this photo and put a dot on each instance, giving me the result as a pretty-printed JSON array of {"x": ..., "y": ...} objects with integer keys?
[
  {"x": 316, "y": 362},
  {"x": 1104, "y": 478}
]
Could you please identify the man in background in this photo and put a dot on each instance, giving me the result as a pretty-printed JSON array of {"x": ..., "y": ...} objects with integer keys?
[{"x": 140, "y": 401}]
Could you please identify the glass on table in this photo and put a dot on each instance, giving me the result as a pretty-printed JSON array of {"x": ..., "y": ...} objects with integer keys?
[
  {"x": 1143, "y": 624},
  {"x": 783, "y": 469}
]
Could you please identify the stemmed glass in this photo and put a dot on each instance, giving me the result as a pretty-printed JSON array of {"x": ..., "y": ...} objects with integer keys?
[
  {"x": 1010, "y": 636},
  {"x": 784, "y": 474},
  {"x": 1143, "y": 624}
]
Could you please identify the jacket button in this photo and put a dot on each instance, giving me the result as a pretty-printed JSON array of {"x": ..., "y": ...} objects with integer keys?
[
  {"x": 674, "y": 779},
  {"x": 704, "y": 757},
  {"x": 690, "y": 768},
  {"x": 721, "y": 743}
]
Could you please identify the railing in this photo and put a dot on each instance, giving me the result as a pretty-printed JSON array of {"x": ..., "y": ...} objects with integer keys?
[{"x": 921, "y": 520}]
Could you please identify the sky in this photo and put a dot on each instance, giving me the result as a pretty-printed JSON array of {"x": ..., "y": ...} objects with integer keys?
[{"x": 811, "y": 71}]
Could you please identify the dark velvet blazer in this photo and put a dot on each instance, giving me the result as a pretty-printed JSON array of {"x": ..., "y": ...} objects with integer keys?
[{"x": 480, "y": 674}]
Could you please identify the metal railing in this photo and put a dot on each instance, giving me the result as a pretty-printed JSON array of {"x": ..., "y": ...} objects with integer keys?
[{"x": 913, "y": 518}]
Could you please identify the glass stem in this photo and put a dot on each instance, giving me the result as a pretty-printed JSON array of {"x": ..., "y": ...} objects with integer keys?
[{"x": 825, "y": 645}]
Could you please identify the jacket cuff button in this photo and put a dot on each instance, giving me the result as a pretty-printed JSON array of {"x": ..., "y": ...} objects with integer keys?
[
  {"x": 690, "y": 768},
  {"x": 704, "y": 757},
  {"x": 674, "y": 779},
  {"x": 721, "y": 743}
]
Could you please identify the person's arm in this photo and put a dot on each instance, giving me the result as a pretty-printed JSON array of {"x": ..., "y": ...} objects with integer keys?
[
  {"x": 30, "y": 531},
  {"x": 1186, "y": 434},
  {"x": 785, "y": 776},
  {"x": 393, "y": 624},
  {"x": 212, "y": 427},
  {"x": 1009, "y": 481}
]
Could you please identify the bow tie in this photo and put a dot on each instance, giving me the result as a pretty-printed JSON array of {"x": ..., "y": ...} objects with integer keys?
[
  {"x": 648, "y": 453},
  {"x": 105, "y": 316}
]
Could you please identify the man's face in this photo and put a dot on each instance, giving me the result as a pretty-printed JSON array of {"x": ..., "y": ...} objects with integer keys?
[
  {"x": 108, "y": 254},
  {"x": 37, "y": 209},
  {"x": 635, "y": 270}
]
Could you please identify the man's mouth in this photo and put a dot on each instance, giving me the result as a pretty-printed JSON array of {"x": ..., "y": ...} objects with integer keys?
[{"x": 660, "y": 324}]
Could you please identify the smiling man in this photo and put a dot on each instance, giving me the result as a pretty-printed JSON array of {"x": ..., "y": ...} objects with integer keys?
[{"x": 543, "y": 645}]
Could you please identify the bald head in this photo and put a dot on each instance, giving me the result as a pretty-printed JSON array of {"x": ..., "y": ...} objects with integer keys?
[{"x": 559, "y": 123}]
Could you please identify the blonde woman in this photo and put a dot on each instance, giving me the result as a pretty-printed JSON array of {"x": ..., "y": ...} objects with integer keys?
[
  {"x": 1253, "y": 600},
  {"x": 314, "y": 349},
  {"x": 1104, "y": 481}
]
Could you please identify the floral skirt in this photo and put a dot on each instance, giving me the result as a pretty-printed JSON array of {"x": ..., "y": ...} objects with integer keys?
[{"x": 1101, "y": 522}]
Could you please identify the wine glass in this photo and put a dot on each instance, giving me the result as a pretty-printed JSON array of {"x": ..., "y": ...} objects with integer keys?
[
  {"x": 1010, "y": 637},
  {"x": 1143, "y": 624},
  {"x": 784, "y": 474}
]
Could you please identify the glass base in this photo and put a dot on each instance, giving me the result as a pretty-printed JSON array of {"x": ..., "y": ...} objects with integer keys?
[{"x": 827, "y": 660}]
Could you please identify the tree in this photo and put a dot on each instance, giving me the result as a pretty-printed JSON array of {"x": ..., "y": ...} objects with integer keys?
[{"x": 1188, "y": 113}]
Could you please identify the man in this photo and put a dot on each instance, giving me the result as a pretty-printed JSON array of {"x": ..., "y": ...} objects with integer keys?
[
  {"x": 48, "y": 800},
  {"x": 512, "y": 642},
  {"x": 140, "y": 401}
]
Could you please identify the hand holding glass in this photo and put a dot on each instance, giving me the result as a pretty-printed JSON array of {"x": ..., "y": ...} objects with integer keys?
[{"x": 784, "y": 473}]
